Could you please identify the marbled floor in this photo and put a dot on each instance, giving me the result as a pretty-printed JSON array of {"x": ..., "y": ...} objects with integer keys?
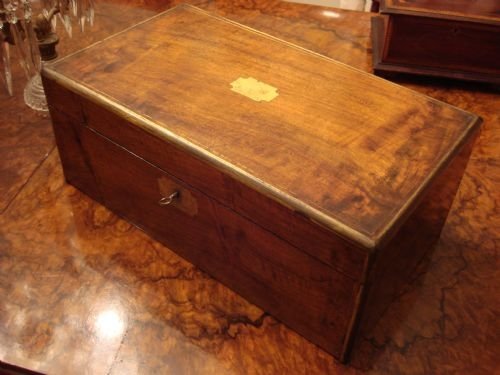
[{"x": 83, "y": 292}]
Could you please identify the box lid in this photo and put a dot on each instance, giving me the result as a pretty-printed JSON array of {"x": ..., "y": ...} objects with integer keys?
[
  {"x": 482, "y": 11},
  {"x": 350, "y": 150}
]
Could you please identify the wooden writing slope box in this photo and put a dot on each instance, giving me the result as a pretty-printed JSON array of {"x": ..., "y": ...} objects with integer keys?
[
  {"x": 307, "y": 186},
  {"x": 446, "y": 38}
]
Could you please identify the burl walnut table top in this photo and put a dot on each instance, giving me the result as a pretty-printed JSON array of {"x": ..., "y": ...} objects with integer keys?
[{"x": 82, "y": 291}]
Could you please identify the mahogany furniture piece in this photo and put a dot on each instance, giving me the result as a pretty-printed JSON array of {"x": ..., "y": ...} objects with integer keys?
[
  {"x": 307, "y": 186},
  {"x": 454, "y": 39}
]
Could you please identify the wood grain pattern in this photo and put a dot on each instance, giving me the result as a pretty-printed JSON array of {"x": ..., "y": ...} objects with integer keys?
[
  {"x": 485, "y": 9},
  {"x": 431, "y": 68},
  {"x": 208, "y": 236},
  {"x": 313, "y": 239},
  {"x": 25, "y": 140},
  {"x": 463, "y": 46},
  {"x": 244, "y": 256},
  {"x": 73, "y": 157},
  {"x": 65, "y": 259},
  {"x": 316, "y": 130},
  {"x": 131, "y": 187},
  {"x": 26, "y": 136},
  {"x": 385, "y": 281},
  {"x": 438, "y": 38}
]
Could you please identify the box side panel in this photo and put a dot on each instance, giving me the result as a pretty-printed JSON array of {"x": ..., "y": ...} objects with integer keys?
[
  {"x": 393, "y": 266},
  {"x": 67, "y": 122}
]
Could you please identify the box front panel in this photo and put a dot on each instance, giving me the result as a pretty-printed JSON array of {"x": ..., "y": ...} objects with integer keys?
[
  {"x": 307, "y": 295},
  {"x": 291, "y": 226}
]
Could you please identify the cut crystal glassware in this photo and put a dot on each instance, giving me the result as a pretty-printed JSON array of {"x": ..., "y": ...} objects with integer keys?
[{"x": 18, "y": 27}]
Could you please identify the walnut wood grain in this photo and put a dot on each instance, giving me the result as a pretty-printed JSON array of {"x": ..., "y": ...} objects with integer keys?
[
  {"x": 414, "y": 241},
  {"x": 438, "y": 38},
  {"x": 68, "y": 125},
  {"x": 129, "y": 185},
  {"x": 244, "y": 256},
  {"x": 487, "y": 10},
  {"x": 316, "y": 130},
  {"x": 463, "y": 46},
  {"x": 314, "y": 239},
  {"x": 26, "y": 136},
  {"x": 64, "y": 259}
]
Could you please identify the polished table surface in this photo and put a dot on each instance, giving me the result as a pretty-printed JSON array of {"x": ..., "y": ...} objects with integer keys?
[{"x": 82, "y": 291}]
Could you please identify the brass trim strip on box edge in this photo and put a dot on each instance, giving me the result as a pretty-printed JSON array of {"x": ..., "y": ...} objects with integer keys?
[
  {"x": 346, "y": 232},
  {"x": 246, "y": 178}
]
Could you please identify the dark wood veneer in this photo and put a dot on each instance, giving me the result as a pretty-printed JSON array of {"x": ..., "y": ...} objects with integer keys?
[
  {"x": 244, "y": 256},
  {"x": 290, "y": 225},
  {"x": 388, "y": 154},
  {"x": 448, "y": 39}
]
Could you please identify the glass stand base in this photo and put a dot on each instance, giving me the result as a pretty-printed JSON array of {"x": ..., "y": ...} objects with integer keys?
[{"x": 34, "y": 96}]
